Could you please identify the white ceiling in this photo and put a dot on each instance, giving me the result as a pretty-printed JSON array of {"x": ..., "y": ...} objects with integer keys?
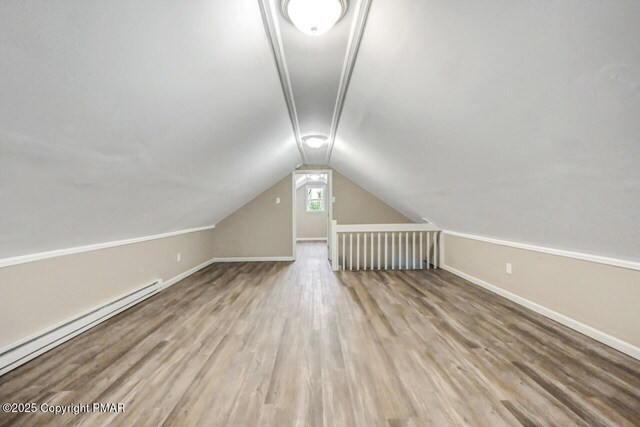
[
  {"x": 303, "y": 179},
  {"x": 514, "y": 120},
  {"x": 121, "y": 119},
  {"x": 315, "y": 72}
]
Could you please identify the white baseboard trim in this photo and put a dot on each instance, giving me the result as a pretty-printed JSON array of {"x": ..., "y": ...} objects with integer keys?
[
  {"x": 255, "y": 259},
  {"x": 587, "y": 330},
  {"x": 187, "y": 273},
  {"x": 311, "y": 239},
  {"x": 22, "y": 259},
  {"x": 22, "y": 351}
]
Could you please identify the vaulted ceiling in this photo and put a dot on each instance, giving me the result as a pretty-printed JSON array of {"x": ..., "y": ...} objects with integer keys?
[
  {"x": 514, "y": 120},
  {"x": 121, "y": 119}
]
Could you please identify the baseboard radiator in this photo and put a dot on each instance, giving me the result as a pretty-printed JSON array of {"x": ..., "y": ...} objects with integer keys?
[{"x": 22, "y": 351}]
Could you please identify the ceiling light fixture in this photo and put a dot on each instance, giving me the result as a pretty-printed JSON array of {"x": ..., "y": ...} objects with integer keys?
[
  {"x": 315, "y": 141},
  {"x": 314, "y": 17}
]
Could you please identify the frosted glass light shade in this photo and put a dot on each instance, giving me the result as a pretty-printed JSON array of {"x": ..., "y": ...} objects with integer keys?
[
  {"x": 315, "y": 141},
  {"x": 314, "y": 17}
]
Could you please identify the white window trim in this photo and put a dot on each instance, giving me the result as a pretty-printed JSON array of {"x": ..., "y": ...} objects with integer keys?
[{"x": 324, "y": 198}]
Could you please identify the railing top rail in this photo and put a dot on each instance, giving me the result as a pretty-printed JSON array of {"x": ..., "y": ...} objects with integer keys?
[{"x": 373, "y": 228}]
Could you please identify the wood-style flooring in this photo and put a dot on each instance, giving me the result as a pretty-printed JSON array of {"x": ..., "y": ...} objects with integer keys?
[{"x": 287, "y": 344}]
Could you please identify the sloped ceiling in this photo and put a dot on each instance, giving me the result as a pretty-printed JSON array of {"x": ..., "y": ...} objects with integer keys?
[
  {"x": 315, "y": 72},
  {"x": 121, "y": 119},
  {"x": 514, "y": 120}
]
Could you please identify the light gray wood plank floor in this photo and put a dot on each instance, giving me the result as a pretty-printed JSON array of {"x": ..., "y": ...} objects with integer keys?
[{"x": 286, "y": 344}]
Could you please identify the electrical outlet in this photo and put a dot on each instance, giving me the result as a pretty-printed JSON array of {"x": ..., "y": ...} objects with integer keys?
[
  {"x": 277, "y": 200},
  {"x": 179, "y": 257},
  {"x": 508, "y": 268}
]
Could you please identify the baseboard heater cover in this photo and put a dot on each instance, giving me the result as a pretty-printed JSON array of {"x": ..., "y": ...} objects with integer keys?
[{"x": 20, "y": 352}]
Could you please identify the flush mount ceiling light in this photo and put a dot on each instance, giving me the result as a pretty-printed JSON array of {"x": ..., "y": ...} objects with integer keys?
[
  {"x": 314, "y": 17},
  {"x": 315, "y": 141}
]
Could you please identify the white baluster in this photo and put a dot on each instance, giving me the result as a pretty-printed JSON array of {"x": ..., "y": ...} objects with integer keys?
[
  {"x": 399, "y": 251},
  {"x": 378, "y": 251},
  {"x": 364, "y": 252},
  {"x": 414, "y": 250},
  {"x": 358, "y": 251},
  {"x": 350, "y": 251},
  {"x": 372, "y": 251},
  {"x": 428, "y": 250},
  {"x": 393, "y": 250},
  {"x": 406, "y": 255},
  {"x": 420, "y": 251},
  {"x": 436, "y": 254},
  {"x": 386, "y": 249},
  {"x": 344, "y": 252}
]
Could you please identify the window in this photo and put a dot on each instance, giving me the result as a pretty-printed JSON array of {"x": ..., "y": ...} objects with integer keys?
[{"x": 315, "y": 199}]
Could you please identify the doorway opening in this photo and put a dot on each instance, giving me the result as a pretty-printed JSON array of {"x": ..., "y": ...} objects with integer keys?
[{"x": 312, "y": 207}]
